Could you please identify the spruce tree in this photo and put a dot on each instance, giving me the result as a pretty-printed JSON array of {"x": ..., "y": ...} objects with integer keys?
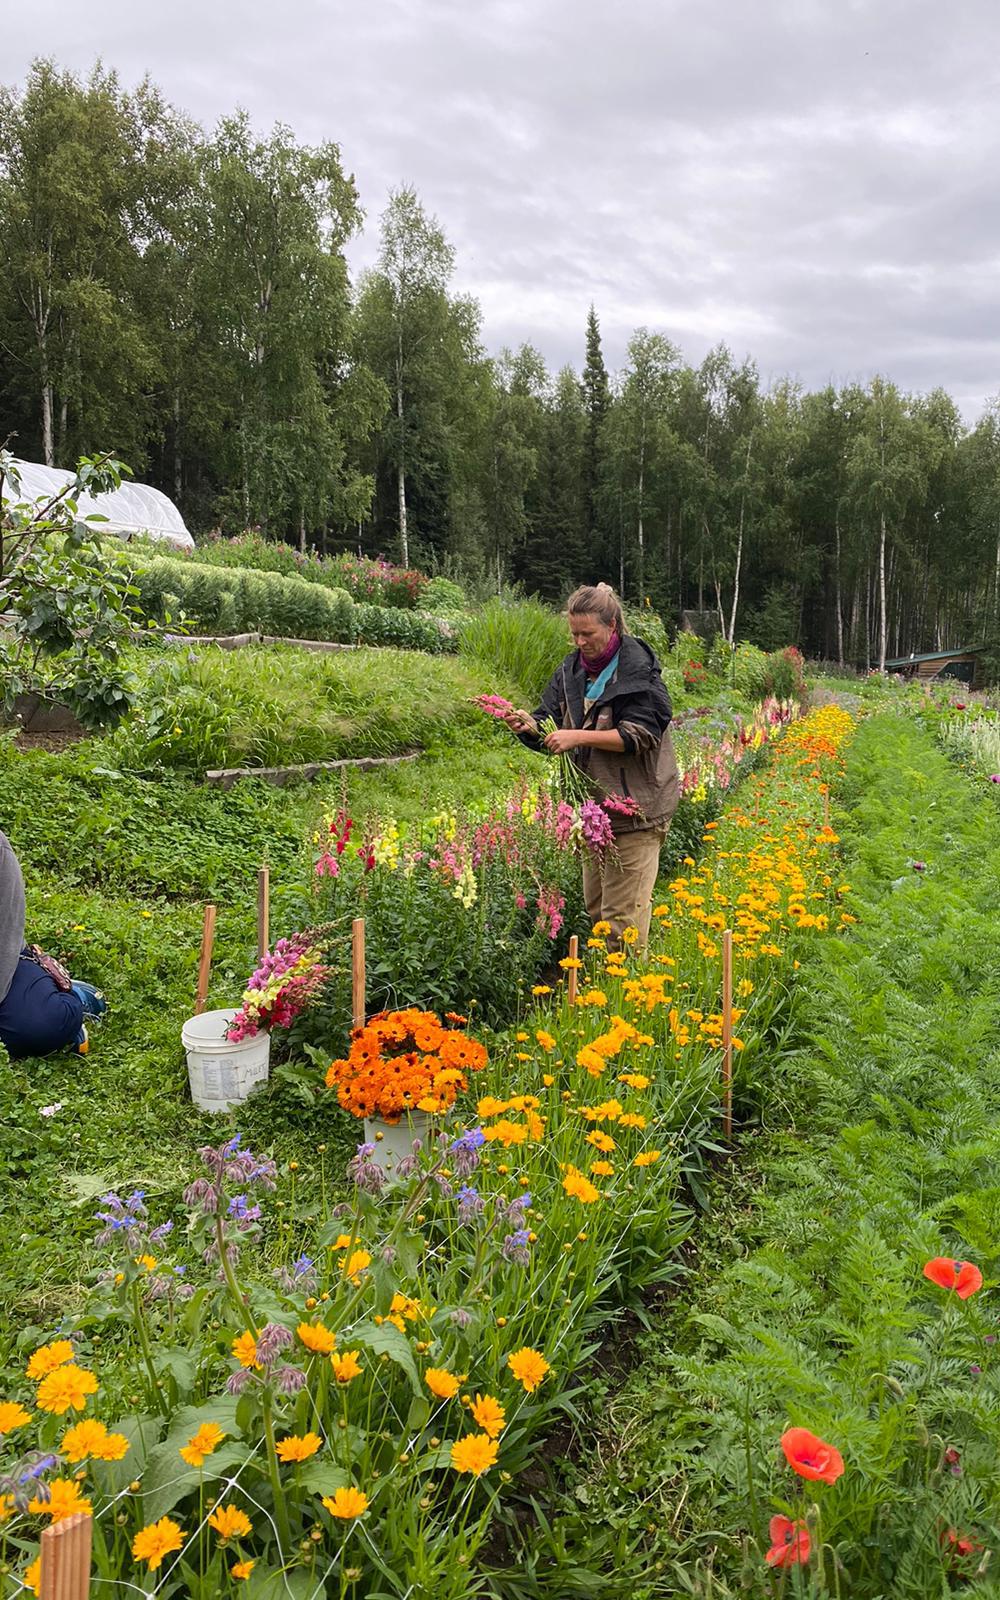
[{"x": 597, "y": 403}]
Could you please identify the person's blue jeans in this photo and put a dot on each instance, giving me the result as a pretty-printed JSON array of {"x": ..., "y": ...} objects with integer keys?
[{"x": 36, "y": 1016}]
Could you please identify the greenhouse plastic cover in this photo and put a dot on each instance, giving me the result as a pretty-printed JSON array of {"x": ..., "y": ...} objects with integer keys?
[{"x": 132, "y": 508}]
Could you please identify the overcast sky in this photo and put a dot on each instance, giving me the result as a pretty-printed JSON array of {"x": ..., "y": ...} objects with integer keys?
[{"x": 811, "y": 181}]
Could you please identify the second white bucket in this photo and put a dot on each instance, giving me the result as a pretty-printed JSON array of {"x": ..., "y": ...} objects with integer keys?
[{"x": 222, "y": 1072}]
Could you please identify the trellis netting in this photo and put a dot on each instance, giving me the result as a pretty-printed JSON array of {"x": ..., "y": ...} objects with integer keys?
[{"x": 133, "y": 508}]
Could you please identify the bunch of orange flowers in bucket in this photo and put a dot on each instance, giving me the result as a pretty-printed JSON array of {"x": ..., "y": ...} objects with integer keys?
[{"x": 404, "y": 1061}]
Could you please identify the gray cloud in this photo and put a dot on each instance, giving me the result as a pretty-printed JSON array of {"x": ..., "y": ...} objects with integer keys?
[{"x": 810, "y": 181}]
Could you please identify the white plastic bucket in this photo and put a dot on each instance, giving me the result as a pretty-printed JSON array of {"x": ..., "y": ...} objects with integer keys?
[
  {"x": 394, "y": 1140},
  {"x": 221, "y": 1071}
]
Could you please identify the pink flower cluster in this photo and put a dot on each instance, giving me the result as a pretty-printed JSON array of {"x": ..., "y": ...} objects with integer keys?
[
  {"x": 595, "y": 826},
  {"x": 340, "y": 828},
  {"x": 288, "y": 978},
  {"x": 551, "y": 905},
  {"x": 493, "y": 704},
  {"x": 621, "y": 805}
]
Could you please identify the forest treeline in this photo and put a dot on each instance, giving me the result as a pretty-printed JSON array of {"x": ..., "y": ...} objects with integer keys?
[{"x": 183, "y": 298}]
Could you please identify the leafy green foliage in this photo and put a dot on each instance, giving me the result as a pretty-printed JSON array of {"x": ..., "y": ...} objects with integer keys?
[
  {"x": 69, "y": 614},
  {"x": 808, "y": 1303},
  {"x": 522, "y": 642}
]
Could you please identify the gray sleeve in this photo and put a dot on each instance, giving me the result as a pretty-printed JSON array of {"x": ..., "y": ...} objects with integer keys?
[{"x": 11, "y": 913}]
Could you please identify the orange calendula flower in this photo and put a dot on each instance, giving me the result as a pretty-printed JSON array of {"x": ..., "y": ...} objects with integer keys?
[
  {"x": 317, "y": 1338},
  {"x": 230, "y": 1522},
  {"x": 489, "y": 1414},
  {"x": 346, "y": 1503},
  {"x": 201, "y": 1444},
  {"x": 647, "y": 1158},
  {"x": 157, "y": 1540},
  {"x": 529, "y": 1367},
  {"x": 476, "y": 1453},
  {"x": 298, "y": 1447},
  {"x": 64, "y": 1500},
  {"x": 346, "y": 1366},
  {"x": 580, "y": 1188},
  {"x": 91, "y": 1440},
  {"x": 244, "y": 1348},
  {"x": 49, "y": 1357},
  {"x": 13, "y": 1416},
  {"x": 442, "y": 1383},
  {"x": 242, "y": 1569},
  {"x": 65, "y": 1389}
]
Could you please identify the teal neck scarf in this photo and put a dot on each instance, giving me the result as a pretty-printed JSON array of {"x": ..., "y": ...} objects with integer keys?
[{"x": 600, "y": 683}]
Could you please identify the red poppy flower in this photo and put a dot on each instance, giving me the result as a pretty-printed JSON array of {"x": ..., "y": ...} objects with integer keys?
[
  {"x": 790, "y": 1543},
  {"x": 811, "y": 1457},
  {"x": 960, "y": 1544},
  {"x": 961, "y": 1276}
]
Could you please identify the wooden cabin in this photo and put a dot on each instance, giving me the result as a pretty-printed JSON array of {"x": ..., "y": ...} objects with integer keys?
[{"x": 961, "y": 665}]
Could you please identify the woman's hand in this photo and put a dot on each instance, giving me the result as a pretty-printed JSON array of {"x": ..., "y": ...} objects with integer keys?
[
  {"x": 561, "y": 739},
  {"x": 520, "y": 722}
]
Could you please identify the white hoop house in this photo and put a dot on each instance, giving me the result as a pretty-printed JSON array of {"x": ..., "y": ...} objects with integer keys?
[{"x": 134, "y": 508}]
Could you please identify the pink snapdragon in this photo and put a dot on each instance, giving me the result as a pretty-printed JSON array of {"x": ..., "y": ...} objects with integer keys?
[
  {"x": 595, "y": 826},
  {"x": 493, "y": 704},
  {"x": 621, "y": 805}
]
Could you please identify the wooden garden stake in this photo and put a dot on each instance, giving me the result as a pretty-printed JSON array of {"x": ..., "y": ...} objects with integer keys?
[
  {"x": 574, "y": 955},
  {"x": 727, "y": 1033},
  {"x": 263, "y": 912},
  {"x": 207, "y": 941},
  {"x": 358, "y": 972},
  {"x": 65, "y": 1570}
]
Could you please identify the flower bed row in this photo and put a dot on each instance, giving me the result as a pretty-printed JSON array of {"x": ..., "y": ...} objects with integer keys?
[{"x": 350, "y": 1424}]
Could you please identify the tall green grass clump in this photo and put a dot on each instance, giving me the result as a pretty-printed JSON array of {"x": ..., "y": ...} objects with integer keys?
[{"x": 524, "y": 642}]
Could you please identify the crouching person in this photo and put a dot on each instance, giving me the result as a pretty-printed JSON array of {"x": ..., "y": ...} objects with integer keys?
[{"x": 41, "y": 1007}]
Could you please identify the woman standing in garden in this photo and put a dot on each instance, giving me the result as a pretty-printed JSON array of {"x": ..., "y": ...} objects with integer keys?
[{"x": 612, "y": 712}]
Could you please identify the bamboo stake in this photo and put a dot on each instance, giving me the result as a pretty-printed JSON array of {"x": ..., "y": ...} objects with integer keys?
[
  {"x": 65, "y": 1570},
  {"x": 727, "y": 1033},
  {"x": 358, "y": 972},
  {"x": 207, "y": 941},
  {"x": 263, "y": 911},
  {"x": 574, "y": 955}
]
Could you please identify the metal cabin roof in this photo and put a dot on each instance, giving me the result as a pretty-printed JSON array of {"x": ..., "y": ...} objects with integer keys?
[{"x": 937, "y": 655}]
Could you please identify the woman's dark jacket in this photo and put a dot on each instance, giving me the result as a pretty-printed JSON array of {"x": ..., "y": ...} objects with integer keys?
[{"x": 636, "y": 704}]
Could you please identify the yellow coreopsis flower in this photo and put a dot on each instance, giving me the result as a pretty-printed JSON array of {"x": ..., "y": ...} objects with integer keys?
[
  {"x": 64, "y": 1500},
  {"x": 201, "y": 1444},
  {"x": 529, "y": 1367},
  {"x": 66, "y": 1388},
  {"x": 91, "y": 1439},
  {"x": 317, "y": 1338},
  {"x": 244, "y": 1348},
  {"x": 13, "y": 1415},
  {"x": 230, "y": 1522},
  {"x": 441, "y": 1383},
  {"x": 489, "y": 1414},
  {"x": 157, "y": 1540},
  {"x": 580, "y": 1188},
  {"x": 475, "y": 1453},
  {"x": 32, "y": 1577},
  {"x": 346, "y": 1366},
  {"x": 647, "y": 1158},
  {"x": 48, "y": 1357},
  {"x": 298, "y": 1447},
  {"x": 353, "y": 1265},
  {"x": 242, "y": 1569},
  {"x": 346, "y": 1503}
]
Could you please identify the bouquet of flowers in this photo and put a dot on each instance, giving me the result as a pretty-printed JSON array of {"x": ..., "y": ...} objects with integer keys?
[
  {"x": 287, "y": 980},
  {"x": 404, "y": 1061}
]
